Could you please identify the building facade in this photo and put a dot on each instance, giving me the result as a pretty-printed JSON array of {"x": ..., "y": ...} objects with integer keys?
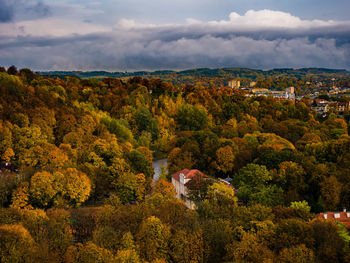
[{"x": 234, "y": 84}]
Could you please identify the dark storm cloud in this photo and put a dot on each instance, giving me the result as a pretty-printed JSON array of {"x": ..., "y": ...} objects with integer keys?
[
  {"x": 11, "y": 10},
  {"x": 172, "y": 33},
  {"x": 106, "y": 52},
  {"x": 29, "y": 41},
  {"x": 6, "y": 11},
  {"x": 233, "y": 43},
  {"x": 39, "y": 9}
]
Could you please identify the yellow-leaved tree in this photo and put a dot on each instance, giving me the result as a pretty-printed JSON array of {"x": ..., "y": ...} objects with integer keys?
[
  {"x": 77, "y": 186},
  {"x": 16, "y": 243},
  {"x": 225, "y": 158},
  {"x": 88, "y": 253},
  {"x": 8, "y": 155},
  {"x": 20, "y": 196},
  {"x": 153, "y": 238},
  {"x": 65, "y": 187},
  {"x": 127, "y": 252}
]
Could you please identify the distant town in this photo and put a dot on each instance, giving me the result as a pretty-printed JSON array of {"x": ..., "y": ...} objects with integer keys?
[{"x": 314, "y": 100}]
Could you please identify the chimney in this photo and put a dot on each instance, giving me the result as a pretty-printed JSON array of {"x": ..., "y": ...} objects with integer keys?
[{"x": 182, "y": 178}]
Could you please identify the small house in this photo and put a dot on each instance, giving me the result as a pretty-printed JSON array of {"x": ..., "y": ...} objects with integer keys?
[{"x": 179, "y": 180}]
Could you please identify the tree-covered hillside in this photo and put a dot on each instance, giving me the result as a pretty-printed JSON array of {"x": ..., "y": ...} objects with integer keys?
[
  {"x": 76, "y": 173},
  {"x": 305, "y": 80}
]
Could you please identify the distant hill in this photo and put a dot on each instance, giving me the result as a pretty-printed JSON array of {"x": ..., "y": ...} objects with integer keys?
[
  {"x": 202, "y": 72},
  {"x": 103, "y": 74}
]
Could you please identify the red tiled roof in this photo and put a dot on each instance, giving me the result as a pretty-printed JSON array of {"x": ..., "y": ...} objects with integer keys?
[
  {"x": 188, "y": 174},
  {"x": 176, "y": 175},
  {"x": 342, "y": 217}
]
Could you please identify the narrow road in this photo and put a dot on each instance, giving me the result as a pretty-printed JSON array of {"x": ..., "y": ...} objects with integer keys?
[{"x": 157, "y": 167}]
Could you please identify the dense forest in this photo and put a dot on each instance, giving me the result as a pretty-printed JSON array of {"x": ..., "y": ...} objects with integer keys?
[{"x": 76, "y": 180}]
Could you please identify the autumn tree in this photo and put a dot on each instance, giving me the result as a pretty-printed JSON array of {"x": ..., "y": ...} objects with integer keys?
[
  {"x": 249, "y": 250},
  {"x": 46, "y": 156},
  {"x": 307, "y": 138},
  {"x": 145, "y": 122},
  {"x": 187, "y": 247},
  {"x": 16, "y": 243},
  {"x": 27, "y": 75},
  {"x": 230, "y": 129},
  {"x": 8, "y": 184},
  {"x": 193, "y": 118},
  {"x": 89, "y": 253},
  {"x": 20, "y": 196},
  {"x": 35, "y": 221},
  {"x": 164, "y": 187},
  {"x": 299, "y": 253},
  {"x": 130, "y": 187},
  {"x": 10, "y": 85},
  {"x": 222, "y": 195},
  {"x": 117, "y": 168},
  {"x": 58, "y": 226},
  {"x": 139, "y": 163},
  {"x": 77, "y": 186},
  {"x": 8, "y": 155},
  {"x": 302, "y": 208},
  {"x": 178, "y": 160},
  {"x": 127, "y": 252},
  {"x": 225, "y": 158},
  {"x": 146, "y": 152},
  {"x": 293, "y": 232},
  {"x": 106, "y": 237},
  {"x": 70, "y": 185},
  {"x": 153, "y": 238},
  {"x": 329, "y": 247},
  {"x": 12, "y": 70},
  {"x": 330, "y": 191},
  {"x": 291, "y": 179},
  {"x": 118, "y": 127},
  {"x": 252, "y": 181}
]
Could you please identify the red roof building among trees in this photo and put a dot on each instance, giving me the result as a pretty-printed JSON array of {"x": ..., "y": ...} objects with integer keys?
[
  {"x": 179, "y": 180},
  {"x": 343, "y": 217}
]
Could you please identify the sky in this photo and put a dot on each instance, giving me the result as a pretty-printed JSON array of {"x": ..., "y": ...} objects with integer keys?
[{"x": 132, "y": 35}]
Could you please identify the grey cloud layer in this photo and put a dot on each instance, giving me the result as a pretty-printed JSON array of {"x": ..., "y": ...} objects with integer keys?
[
  {"x": 183, "y": 46},
  {"x": 23, "y": 9},
  {"x": 6, "y": 11},
  {"x": 38, "y": 8}
]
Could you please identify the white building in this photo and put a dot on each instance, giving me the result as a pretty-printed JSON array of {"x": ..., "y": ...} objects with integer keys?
[
  {"x": 289, "y": 93},
  {"x": 234, "y": 84},
  {"x": 321, "y": 107},
  {"x": 179, "y": 180}
]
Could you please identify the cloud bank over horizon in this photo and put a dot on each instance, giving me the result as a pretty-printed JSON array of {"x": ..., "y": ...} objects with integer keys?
[{"x": 58, "y": 40}]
